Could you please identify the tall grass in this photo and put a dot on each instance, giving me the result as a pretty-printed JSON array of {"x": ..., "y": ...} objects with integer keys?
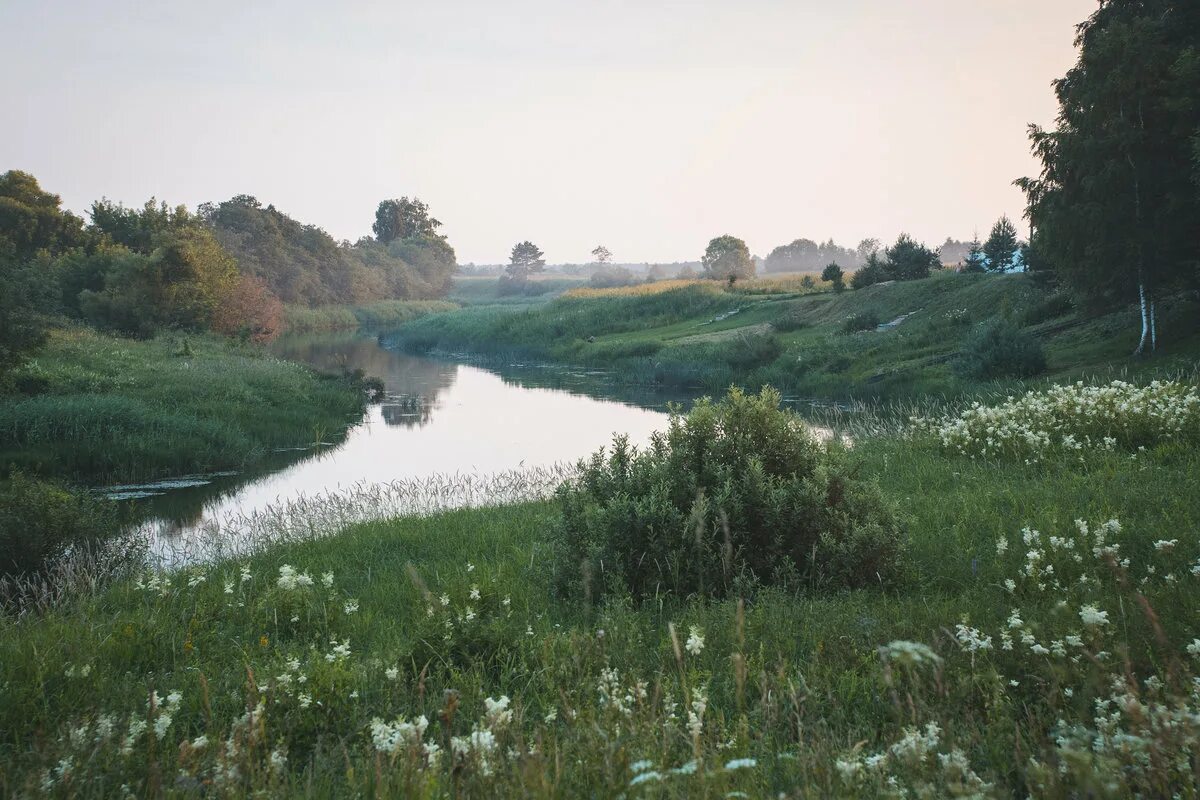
[
  {"x": 108, "y": 409},
  {"x": 376, "y": 316},
  {"x": 290, "y": 683}
]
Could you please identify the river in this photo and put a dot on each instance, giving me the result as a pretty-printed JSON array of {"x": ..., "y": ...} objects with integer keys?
[{"x": 441, "y": 429}]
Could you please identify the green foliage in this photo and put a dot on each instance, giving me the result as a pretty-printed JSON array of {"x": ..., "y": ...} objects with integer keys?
[
  {"x": 608, "y": 277},
  {"x": 303, "y": 265},
  {"x": 176, "y": 287},
  {"x": 833, "y": 274},
  {"x": 110, "y": 410},
  {"x": 873, "y": 271},
  {"x": 866, "y": 320},
  {"x": 1002, "y": 246},
  {"x": 975, "y": 260},
  {"x": 526, "y": 259},
  {"x": 32, "y": 220},
  {"x": 26, "y": 293},
  {"x": 141, "y": 230},
  {"x": 40, "y": 520},
  {"x": 376, "y": 316},
  {"x": 1054, "y": 306},
  {"x": 909, "y": 260},
  {"x": 735, "y": 493},
  {"x": 999, "y": 349},
  {"x": 403, "y": 219},
  {"x": 1115, "y": 207},
  {"x": 727, "y": 258}
]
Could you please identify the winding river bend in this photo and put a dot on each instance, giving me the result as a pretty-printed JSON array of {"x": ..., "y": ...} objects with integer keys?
[{"x": 439, "y": 418}]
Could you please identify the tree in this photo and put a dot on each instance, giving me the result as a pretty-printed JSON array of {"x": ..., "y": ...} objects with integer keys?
[
  {"x": 32, "y": 220},
  {"x": 1002, "y": 246},
  {"x": 866, "y": 248},
  {"x": 176, "y": 287},
  {"x": 524, "y": 260},
  {"x": 727, "y": 258},
  {"x": 909, "y": 260},
  {"x": 974, "y": 260},
  {"x": 1115, "y": 208},
  {"x": 141, "y": 230},
  {"x": 248, "y": 310},
  {"x": 833, "y": 274},
  {"x": 402, "y": 219},
  {"x": 602, "y": 254},
  {"x": 870, "y": 273}
]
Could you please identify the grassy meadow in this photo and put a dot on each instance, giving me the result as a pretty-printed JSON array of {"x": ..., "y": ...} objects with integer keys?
[
  {"x": 93, "y": 408},
  {"x": 885, "y": 341},
  {"x": 1033, "y": 648}
]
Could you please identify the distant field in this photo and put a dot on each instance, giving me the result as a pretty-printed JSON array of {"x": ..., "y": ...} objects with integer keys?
[{"x": 484, "y": 290}]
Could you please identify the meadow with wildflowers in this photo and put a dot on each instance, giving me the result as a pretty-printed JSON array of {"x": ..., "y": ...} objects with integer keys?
[{"x": 1042, "y": 641}]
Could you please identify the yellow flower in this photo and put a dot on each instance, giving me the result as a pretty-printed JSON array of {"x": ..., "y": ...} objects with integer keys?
[{"x": 263, "y": 641}]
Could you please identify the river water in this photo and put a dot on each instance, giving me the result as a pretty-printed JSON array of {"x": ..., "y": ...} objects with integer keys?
[{"x": 442, "y": 426}]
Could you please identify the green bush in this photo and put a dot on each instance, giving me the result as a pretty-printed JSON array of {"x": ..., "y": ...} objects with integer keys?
[
  {"x": 1056, "y": 305},
  {"x": 999, "y": 349},
  {"x": 734, "y": 494},
  {"x": 40, "y": 520},
  {"x": 862, "y": 321},
  {"x": 793, "y": 320}
]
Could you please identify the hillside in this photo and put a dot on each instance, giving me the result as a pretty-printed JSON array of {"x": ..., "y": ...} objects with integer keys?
[{"x": 704, "y": 335}]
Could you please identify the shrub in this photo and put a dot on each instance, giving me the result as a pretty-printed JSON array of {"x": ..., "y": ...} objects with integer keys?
[
  {"x": 735, "y": 493},
  {"x": 793, "y": 320},
  {"x": 1056, "y": 305},
  {"x": 862, "y": 321},
  {"x": 1000, "y": 349},
  {"x": 40, "y": 520}
]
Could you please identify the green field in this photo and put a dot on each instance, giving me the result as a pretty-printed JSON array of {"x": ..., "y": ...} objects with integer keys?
[
  {"x": 94, "y": 408},
  {"x": 375, "y": 316},
  {"x": 706, "y": 337},
  {"x": 296, "y": 690}
]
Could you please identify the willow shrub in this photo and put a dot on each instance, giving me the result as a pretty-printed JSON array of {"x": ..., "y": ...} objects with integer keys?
[{"x": 735, "y": 494}]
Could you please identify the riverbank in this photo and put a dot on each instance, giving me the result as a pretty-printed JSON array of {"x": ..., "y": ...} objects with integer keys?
[
  {"x": 895, "y": 340},
  {"x": 94, "y": 409},
  {"x": 370, "y": 662},
  {"x": 375, "y": 316}
]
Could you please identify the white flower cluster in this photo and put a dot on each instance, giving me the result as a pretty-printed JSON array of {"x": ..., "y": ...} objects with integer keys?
[
  {"x": 290, "y": 579},
  {"x": 399, "y": 736},
  {"x": 1072, "y": 420}
]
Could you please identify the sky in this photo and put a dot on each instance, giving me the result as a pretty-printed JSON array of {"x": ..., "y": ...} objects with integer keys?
[{"x": 647, "y": 126}]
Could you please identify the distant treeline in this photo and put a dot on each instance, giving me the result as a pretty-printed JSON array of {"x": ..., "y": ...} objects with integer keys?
[
  {"x": 806, "y": 255},
  {"x": 228, "y": 267}
]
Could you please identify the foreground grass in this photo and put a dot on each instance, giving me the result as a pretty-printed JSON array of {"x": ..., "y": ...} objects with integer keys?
[
  {"x": 296, "y": 689},
  {"x": 96, "y": 408},
  {"x": 703, "y": 335}
]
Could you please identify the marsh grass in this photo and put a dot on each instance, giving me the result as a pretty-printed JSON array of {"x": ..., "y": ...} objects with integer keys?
[
  {"x": 375, "y": 316},
  {"x": 120, "y": 410}
]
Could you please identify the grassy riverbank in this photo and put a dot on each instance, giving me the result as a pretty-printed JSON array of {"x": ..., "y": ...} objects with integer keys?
[
  {"x": 303, "y": 689},
  {"x": 705, "y": 336},
  {"x": 94, "y": 408},
  {"x": 376, "y": 316}
]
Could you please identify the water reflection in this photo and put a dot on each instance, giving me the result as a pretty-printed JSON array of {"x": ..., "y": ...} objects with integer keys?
[{"x": 438, "y": 417}]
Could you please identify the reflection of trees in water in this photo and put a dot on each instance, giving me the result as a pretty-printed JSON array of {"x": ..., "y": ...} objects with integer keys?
[
  {"x": 406, "y": 410},
  {"x": 411, "y": 384}
]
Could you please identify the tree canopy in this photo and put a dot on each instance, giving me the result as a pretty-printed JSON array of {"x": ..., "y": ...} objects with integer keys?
[
  {"x": 1002, "y": 246},
  {"x": 727, "y": 258},
  {"x": 1116, "y": 208},
  {"x": 403, "y": 219}
]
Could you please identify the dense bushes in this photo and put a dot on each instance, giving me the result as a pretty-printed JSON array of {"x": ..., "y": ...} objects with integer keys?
[
  {"x": 998, "y": 349},
  {"x": 862, "y": 321},
  {"x": 734, "y": 494},
  {"x": 40, "y": 520}
]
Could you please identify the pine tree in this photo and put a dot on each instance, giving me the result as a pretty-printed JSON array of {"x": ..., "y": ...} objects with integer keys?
[
  {"x": 975, "y": 261},
  {"x": 1002, "y": 246}
]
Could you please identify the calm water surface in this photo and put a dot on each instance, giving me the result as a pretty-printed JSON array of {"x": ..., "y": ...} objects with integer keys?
[{"x": 439, "y": 417}]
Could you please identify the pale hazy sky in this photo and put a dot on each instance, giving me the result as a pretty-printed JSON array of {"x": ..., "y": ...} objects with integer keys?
[{"x": 648, "y": 126}]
